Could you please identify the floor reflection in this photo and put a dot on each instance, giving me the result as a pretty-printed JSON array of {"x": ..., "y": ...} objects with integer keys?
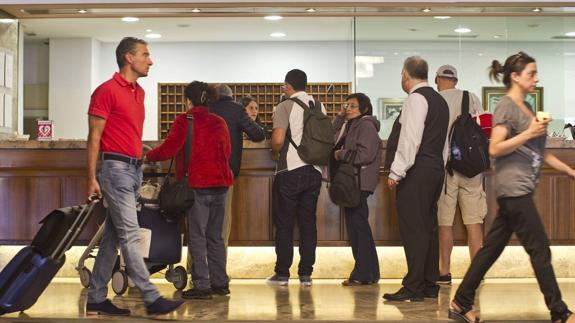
[{"x": 253, "y": 300}]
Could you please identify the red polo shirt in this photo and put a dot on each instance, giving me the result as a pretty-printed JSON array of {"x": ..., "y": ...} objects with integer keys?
[{"x": 122, "y": 105}]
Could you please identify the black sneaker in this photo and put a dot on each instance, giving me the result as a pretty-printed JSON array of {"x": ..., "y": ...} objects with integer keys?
[
  {"x": 196, "y": 293},
  {"x": 221, "y": 290},
  {"x": 106, "y": 308},
  {"x": 444, "y": 280},
  {"x": 163, "y": 306},
  {"x": 278, "y": 280}
]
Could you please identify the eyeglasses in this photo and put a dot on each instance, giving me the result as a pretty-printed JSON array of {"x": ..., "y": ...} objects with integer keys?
[{"x": 350, "y": 106}]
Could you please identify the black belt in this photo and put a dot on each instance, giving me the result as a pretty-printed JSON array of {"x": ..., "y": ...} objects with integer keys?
[{"x": 123, "y": 158}]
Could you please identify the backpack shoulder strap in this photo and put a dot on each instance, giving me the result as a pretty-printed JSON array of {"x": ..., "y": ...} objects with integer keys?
[
  {"x": 300, "y": 103},
  {"x": 465, "y": 104}
]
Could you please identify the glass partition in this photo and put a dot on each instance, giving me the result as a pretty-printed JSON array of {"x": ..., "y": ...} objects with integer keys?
[{"x": 470, "y": 44}]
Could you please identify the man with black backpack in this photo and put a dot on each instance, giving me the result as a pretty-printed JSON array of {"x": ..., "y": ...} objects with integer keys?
[
  {"x": 303, "y": 137},
  {"x": 459, "y": 189}
]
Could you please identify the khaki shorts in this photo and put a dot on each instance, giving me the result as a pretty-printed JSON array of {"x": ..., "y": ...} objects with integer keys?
[{"x": 470, "y": 195}]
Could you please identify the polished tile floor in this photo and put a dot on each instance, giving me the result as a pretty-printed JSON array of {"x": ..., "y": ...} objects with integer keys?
[{"x": 511, "y": 300}]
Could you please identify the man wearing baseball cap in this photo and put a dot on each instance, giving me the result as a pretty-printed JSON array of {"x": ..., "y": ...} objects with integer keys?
[{"x": 468, "y": 192}]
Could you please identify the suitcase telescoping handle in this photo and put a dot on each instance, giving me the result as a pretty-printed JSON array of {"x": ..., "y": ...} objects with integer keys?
[{"x": 76, "y": 227}]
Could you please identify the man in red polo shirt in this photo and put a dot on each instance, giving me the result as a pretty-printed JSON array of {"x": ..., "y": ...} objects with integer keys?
[{"x": 116, "y": 120}]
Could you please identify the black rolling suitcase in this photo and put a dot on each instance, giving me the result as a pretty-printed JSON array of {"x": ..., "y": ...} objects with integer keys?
[{"x": 26, "y": 276}]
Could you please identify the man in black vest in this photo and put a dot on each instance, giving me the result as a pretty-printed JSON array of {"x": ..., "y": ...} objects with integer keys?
[{"x": 416, "y": 154}]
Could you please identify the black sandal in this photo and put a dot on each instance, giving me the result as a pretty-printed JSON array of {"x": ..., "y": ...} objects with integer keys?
[
  {"x": 459, "y": 316},
  {"x": 563, "y": 318}
]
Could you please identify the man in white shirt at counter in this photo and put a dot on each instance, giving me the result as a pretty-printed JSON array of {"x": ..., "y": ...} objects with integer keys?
[{"x": 416, "y": 154}]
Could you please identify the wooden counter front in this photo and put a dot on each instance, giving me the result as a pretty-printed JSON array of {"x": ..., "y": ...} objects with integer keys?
[{"x": 34, "y": 179}]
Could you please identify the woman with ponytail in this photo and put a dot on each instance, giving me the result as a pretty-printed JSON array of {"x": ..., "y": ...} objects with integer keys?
[
  {"x": 210, "y": 176},
  {"x": 518, "y": 147}
]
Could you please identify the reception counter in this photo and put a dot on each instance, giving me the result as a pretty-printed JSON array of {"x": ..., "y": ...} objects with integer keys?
[{"x": 36, "y": 177}]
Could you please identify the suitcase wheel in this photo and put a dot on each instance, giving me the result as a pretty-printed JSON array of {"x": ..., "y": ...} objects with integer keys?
[
  {"x": 119, "y": 282},
  {"x": 85, "y": 276},
  {"x": 179, "y": 277}
]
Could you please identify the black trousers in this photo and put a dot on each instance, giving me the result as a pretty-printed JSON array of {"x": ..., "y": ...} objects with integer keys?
[
  {"x": 417, "y": 196},
  {"x": 294, "y": 196},
  {"x": 366, "y": 267},
  {"x": 519, "y": 215}
]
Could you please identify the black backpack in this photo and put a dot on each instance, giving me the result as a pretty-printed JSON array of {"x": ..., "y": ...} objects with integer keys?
[
  {"x": 316, "y": 143},
  {"x": 468, "y": 145}
]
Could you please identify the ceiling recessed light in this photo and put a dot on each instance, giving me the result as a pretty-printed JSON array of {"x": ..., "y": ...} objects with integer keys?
[
  {"x": 395, "y": 53},
  {"x": 536, "y": 9},
  {"x": 148, "y": 30},
  {"x": 7, "y": 20},
  {"x": 196, "y": 10},
  {"x": 311, "y": 10},
  {"x": 82, "y": 11},
  {"x": 497, "y": 36},
  {"x": 130, "y": 19},
  {"x": 426, "y": 10},
  {"x": 533, "y": 25},
  {"x": 277, "y": 35},
  {"x": 273, "y": 17},
  {"x": 412, "y": 29},
  {"x": 570, "y": 34},
  {"x": 479, "y": 54},
  {"x": 153, "y": 36},
  {"x": 462, "y": 30},
  {"x": 442, "y": 17},
  {"x": 183, "y": 25}
]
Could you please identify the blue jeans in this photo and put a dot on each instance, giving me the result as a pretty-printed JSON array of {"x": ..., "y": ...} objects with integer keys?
[
  {"x": 205, "y": 221},
  {"x": 120, "y": 182}
]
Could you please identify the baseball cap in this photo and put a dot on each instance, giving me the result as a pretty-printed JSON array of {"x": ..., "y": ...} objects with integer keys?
[{"x": 447, "y": 71}]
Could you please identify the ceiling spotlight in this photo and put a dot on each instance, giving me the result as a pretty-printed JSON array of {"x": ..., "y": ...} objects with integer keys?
[
  {"x": 311, "y": 10},
  {"x": 148, "y": 30},
  {"x": 426, "y": 10},
  {"x": 462, "y": 30},
  {"x": 273, "y": 18},
  {"x": 7, "y": 20},
  {"x": 82, "y": 11},
  {"x": 536, "y": 9},
  {"x": 442, "y": 17},
  {"x": 153, "y": 36},
  {"x": 130, "y": 19},
  {"x": 277, "y": 35},
  {"x": 497, "y": 36},
  {"x": 570, "y": 34},
  {"x": 196, "y": 10}
]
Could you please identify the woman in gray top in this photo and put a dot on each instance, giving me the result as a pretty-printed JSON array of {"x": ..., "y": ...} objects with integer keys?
[
  {"x": 518, "y": 146},
  {"x": 358, "y": 142}
]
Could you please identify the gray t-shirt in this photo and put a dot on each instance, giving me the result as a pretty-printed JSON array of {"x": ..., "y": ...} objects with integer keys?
[{"x": 517, "y": 173}]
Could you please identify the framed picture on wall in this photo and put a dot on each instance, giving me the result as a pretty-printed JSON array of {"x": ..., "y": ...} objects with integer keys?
[
  {"x": 389, "y": 108},
  {"x": 492, "y": 95}
]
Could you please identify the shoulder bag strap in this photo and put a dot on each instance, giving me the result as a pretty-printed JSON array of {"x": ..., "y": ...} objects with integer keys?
[{"x": 189, "y": 138}]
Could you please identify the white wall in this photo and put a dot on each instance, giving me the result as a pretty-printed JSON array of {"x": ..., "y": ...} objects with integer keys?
[
  {"x": 71, "y": 69},
  {"x": 36, "y": 63},
  {"x": 555, "y": 63},
  {"x": 233, "y": 62}
]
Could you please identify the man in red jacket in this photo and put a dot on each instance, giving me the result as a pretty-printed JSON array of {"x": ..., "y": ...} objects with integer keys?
[
  {"x": 116, "y": 120},
  {"x": 210, "y": 176}
]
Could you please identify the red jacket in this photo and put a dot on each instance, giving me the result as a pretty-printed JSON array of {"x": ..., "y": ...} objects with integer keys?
[{"x": 209, "y": 159}]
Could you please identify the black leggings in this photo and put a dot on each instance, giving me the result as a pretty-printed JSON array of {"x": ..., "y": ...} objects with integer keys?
[{"x": 519, "y": 215}]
